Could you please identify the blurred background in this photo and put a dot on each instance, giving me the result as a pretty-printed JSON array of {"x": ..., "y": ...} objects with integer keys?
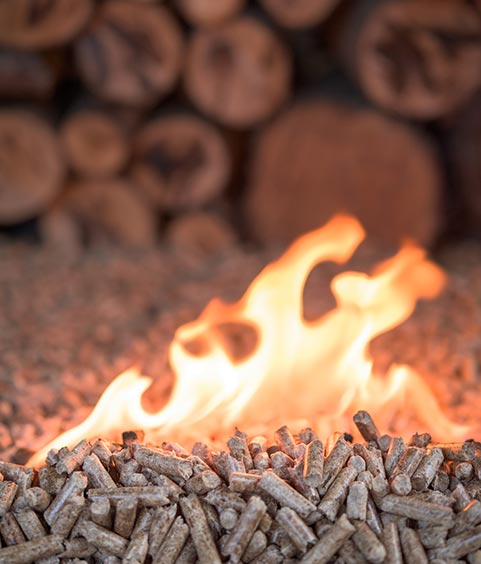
[
  {"x": 200, "y": 123},
  {"x": 152, "y": 153}
]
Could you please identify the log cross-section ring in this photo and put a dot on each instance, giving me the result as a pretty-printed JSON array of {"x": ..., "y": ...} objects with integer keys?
[
  {"x": 322, "y": 157},
  {"x": 131, "y": 53},
  {"x": 239, "y": 73},
  {"x": 38, "y": 24},
  {"x": 31, "y": 169},
  {"x": 418, "y": 58},
  {"x": 180, "y": 162}
]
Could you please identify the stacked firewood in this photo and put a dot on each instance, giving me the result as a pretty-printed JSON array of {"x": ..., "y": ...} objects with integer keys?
[
  {"x": 128, "y": 120},
  {"x": 293, "y": 501}
]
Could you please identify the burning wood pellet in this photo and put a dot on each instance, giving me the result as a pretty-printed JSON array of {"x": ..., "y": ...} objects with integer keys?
[
  {"x": 408, "y": 462},
  {"x": 243, "y": 482},
  {"x": 414, "y": 508},
  {"x": 7, "y": 495},
  {"x": 244, "y": 529},
  {"x": 67, "y": 516},
  {"x": 366, "y": 426},
  {"x": 170, "y": 549},
  {"x": 31, "y": 525},
  {"x": 161, "y": 523},
  {"x": 362, "y": 502},
  {"x": 171, "y": 466},
  {"x": 285, "y": 440},
  {"x": 103, "y": 539},
  {"x": 412, "y": 548},
  {"x": 401, "y": 484},
  {"x": 125, "y": 515},
  {"x": 44, "y": 547},
  {"x": 334, "y": 462},
  {"x": 96, "y": 473},
  {"x": 427, "y": 469},
  {"x": 203, "y": 482},
  {"x": 337, "y": 493},
  {"x": 286, "y": 494},
  {"x": 356, "y": 504},
  {"x": 328, "y": 545},
  {"x": 392, "y": 544},
  {"x": 314, "y": 463},
  {"x": 240, "y": 450},
  {"x": 74, "y": 459},
  {"x": 37, "y": 498},
  {"x": 300, "y": 534},
  {"x": 199, "y": 529},
  {"x": 256, "y": 546},
  {"x": 101, "y": 512},
  {"x": 369, "y": 545}
]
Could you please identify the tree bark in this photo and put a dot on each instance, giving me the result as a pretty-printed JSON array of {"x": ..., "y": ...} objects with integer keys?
[
  {"x": 131, "y": 53},
  {"x": 418, "y": 58},
  {"x": 180, "y": 162},
  {"x": 299, "y": 13},
  {"x": 31, "y": 167},
  {"x": 322, "y": 157},
  {"x": 205, "y": 13},
  {"x": 94, "y": 144},
  {"x": 239, "y": 74},
  {"x": 36, "y": 24}
]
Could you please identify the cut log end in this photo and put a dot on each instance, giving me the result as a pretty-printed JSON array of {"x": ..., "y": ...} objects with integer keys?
[
  {"x": 131, "y": 53},
  {"x": 239, "y": 73},
  {"x": 299, "y": 13},
  {"x": 60, "y": 232},
  {"x": 201, "y": 234},
  {"x": 94, "y": 144},
  {"x": 205, "y": 13},
  {"x": 112, "y": 211},
  {"x": 321, "y": 158},
  {"x": 412, "y": 59},
  {"x": 180, "y": 162},
  {"x": 31, "y": 169},
  {"x": 36, "y": 24}
]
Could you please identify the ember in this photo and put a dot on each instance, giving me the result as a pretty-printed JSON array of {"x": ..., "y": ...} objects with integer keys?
[{"x": 307, "y": 506}]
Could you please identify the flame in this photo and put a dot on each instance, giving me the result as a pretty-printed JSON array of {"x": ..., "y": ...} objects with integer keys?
[{"x": 300, "y": 372}]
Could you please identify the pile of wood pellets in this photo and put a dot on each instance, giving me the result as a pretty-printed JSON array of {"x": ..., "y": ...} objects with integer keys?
[{"x": 296, "y": 500}]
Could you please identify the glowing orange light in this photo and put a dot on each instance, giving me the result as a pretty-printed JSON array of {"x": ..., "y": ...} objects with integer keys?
[{"x": 300, "y": 372}]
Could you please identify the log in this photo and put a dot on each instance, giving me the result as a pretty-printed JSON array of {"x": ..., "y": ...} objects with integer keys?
[
  {"x": 465, "y": 151},
  {"x": 94, "y": 144},
  {"x": 111, "y": 210},
  {"x": 417, "y": 58},
  {"x": 37, "y": 24},
  {"x": 31, "y": 168},
  {"x": 25, "y": 75},
  {"x": 205, "y": 13},
  {"x": 60, "y": 232},
  {"x": 131, "y": 53},
  {"x": 180, "y": 162},
  {"x": 239, "y": 74},
  {"x": 299, "y": 13},
  {"x": 322, "y": 157},
  {"x": 200, "y": 234}
]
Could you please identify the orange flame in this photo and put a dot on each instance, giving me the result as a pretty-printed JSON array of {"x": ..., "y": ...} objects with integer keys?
[{"x": 300, "y": 372}]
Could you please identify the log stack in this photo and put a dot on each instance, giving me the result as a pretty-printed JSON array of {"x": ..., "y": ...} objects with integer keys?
[{"x": 121, "y": 118}]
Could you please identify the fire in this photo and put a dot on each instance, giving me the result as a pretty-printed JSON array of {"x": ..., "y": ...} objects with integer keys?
[{"x": 299, "y": 372}]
